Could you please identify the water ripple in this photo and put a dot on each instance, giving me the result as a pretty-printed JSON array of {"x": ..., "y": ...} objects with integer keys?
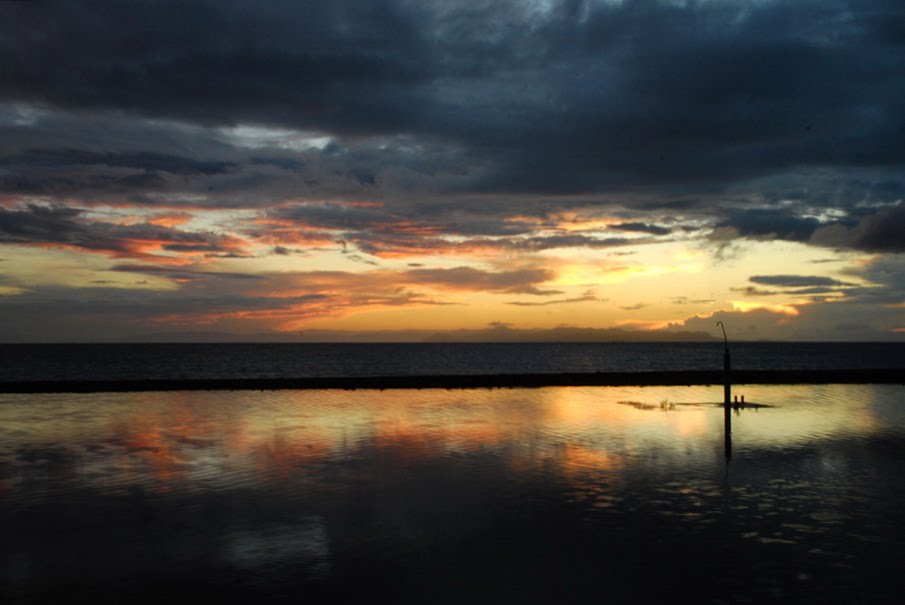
[{"x": 281, "y": 488}]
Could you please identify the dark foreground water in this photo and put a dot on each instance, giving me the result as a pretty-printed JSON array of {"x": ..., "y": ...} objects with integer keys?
[
  {"x": 212, "y": 361},
  {"x": 522, "y": 495}
]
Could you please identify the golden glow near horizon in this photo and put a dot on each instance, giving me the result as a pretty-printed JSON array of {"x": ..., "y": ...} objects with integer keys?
[
  {"x": 484, "y": 190},
  {"x": 245, "y": 271}
]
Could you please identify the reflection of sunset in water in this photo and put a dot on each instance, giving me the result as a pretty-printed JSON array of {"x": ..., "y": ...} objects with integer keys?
[
  {"x": 288, "y": 488},
  {"x": 577, "y": 459},
  {"x": 192, "y": 438},
  {"x": 148, "y": 448}
]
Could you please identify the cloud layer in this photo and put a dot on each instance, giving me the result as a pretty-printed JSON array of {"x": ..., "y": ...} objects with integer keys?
[{"x": 493, "y": 144}]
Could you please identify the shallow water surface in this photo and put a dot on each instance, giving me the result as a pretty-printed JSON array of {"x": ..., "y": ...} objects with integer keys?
[{"x": 513, "y": 495}]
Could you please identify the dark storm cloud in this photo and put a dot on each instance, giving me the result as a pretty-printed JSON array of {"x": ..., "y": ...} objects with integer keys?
[
  {"x": 642, "y": 227},
  {"x": 334, "y": 216},
  {"x": 284, "y": 251},
  {"x": 861, "y": 227},
  {"x": 284, "y": 163},
  {"x": 887, "y": 274},
  {"x": 773, "y": 223},
  {"x": 795, "y": 291},
  {"x": 387, "y": 242},
  {"x": 215, "y": 62},
  {"x": 577, "y": 97},
  {"x": 883, "y": 231},
  {"x": 181, "y": 273},
  {"x": 713, "y": 92},
  {"x": 83, "y": 156},
  {"x": 149, "y": 161},
  {"x": 572, "y": 240},
  {"x": 752, "y": 291},
  {"x": 795, "y": 281},
  {"x": 68, "y": 185},
  {"x": 97, "y": 158},
  {"x": 38, "y": 223},
  {"x": 876, "y": 230},
  {"x": 96, "y": 307},
  {"x": 487, "y": 227},
  {"x": 380, "y": 230},
  {"x": 62, "y": 226}
]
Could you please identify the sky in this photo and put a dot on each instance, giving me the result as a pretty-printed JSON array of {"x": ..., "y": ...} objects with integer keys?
[{"x": 395, "y": 169}]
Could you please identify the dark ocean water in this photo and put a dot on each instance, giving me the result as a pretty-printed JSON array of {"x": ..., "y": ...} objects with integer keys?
[
  {"x": 171, "y": 361},
  {"x": 547, "y": 495}
]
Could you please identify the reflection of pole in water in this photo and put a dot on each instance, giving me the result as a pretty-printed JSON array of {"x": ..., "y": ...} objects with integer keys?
[
  {"x": 727, "y": 368},
  {"x": 727, "y": 398},
  {"x": 727, "y": 435}
]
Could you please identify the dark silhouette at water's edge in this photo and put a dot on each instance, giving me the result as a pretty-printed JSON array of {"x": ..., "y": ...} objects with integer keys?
[{"x": 465, "y": 381}]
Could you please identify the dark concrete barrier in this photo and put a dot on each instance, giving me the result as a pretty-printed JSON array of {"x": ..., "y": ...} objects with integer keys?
[{"x": 881, "y": 376}]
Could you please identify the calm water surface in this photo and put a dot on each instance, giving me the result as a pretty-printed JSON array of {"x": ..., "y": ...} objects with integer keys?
[{"x": 519, "y": 495}]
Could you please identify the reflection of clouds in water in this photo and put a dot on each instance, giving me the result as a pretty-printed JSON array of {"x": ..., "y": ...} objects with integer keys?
[
  {"x": 221, "y": 440},
  {"x": 286, "y": 486},
  {"x": 803, "y": 414}
]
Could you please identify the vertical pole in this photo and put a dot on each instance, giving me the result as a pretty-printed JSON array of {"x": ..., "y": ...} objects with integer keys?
[
  {"x": 727, "y": 368},
  {"x": 727, "y": 399},
  {"x": 727, "y": 434},
  {"x": 727, "y": 379}
]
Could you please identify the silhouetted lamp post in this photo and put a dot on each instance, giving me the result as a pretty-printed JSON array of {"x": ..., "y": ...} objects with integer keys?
[
  {"x": 727, "y": 396},
  {"x": 727, "y": 383}
]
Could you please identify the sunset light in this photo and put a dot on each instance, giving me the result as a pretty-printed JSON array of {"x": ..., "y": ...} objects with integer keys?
[
  {"x": 446, "y": 179},
  {"x": 452, "y": 301}
]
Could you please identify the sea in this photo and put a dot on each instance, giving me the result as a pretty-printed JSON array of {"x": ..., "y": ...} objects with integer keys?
[
  {"x": 38, "y": 362},
  {"x": 515, "y": 495}
]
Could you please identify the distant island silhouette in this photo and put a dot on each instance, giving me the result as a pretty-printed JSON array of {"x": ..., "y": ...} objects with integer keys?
[{"x": 564, "y": 334}]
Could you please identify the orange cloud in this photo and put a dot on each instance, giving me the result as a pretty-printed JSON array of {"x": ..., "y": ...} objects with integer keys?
[
  {"x": 456, "y": 279},
  {"x": 747, "y": 307},
  {"x": 135, "y": 250},
  {"x": 286, "y": 301},
  {"x": 171, "y": 219}
]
